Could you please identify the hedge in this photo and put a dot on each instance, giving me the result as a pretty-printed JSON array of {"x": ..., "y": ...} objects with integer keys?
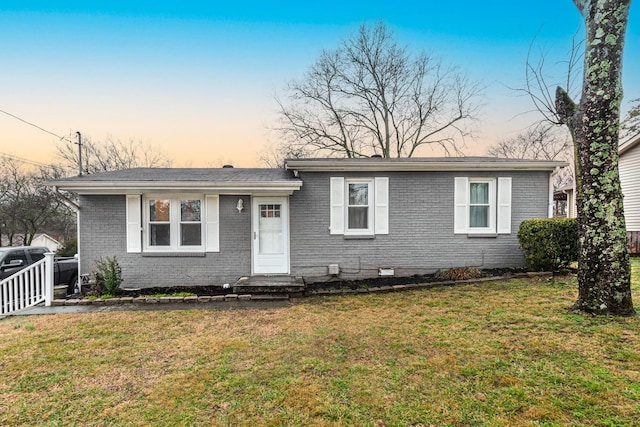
[{"x": 549, "y": 244}]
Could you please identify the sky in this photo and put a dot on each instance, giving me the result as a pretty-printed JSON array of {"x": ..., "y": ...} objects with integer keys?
[{"x": 197, "y": 81}]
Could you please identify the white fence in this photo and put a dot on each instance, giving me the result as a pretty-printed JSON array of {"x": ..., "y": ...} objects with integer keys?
[{"x": 28, "y": 287}]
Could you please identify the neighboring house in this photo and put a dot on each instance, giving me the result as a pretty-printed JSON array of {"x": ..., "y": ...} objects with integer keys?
[
  {"x": 45, "y": 240},
  {"x": 40, "y": 239},
  {"x": 316, "y": 219},
  {"x": 629, "y": 166},
  {"x": 564, "y": 202}
]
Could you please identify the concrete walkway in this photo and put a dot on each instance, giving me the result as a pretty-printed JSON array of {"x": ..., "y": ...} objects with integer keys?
[{"x": 255, "y": 304}]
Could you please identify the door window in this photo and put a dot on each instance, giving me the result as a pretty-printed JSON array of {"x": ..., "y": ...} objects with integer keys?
[{"x": 270, "y": 223}]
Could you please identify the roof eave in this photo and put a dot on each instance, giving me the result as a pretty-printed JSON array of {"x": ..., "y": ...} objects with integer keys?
[
  {"x": 133, "y": 187},
  {"x": 629, "y": 144},
  {"x": 415, "y": 166}
]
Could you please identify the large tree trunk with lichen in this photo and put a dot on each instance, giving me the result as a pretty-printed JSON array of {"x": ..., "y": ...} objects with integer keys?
[{"x": 604, "y": 273}]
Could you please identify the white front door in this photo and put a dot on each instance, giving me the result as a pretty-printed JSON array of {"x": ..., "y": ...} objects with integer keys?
[{"x": 270, "y": 235}]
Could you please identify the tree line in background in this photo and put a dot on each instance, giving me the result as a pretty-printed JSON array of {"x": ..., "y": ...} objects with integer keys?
[{"x": 29, "y": 207}]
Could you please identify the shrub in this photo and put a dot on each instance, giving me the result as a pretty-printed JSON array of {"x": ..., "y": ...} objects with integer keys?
[
  {"x": 108, "y": 274},
  {"x": 549, "y": 244},
  {"x": 70, "y": 248},
  {"x": 459, "y": 273}
]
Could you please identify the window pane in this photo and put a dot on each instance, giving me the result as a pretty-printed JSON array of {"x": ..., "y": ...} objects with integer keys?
[
  {"x": 479, "y": 192},
  {"x": 160, "y": 235},
  {"x": 358, "y": 217},
  {"x": 190, "y": 235},
  {"x": 36, "y": 254},
  {"x": 269, "y": 211},
  {"x": 159, "y": 210},
  {"x": 190, "y": 210},
  {"x": 270, "y": 229},
  {"x": 479, "y": 216},
  {"x": 359, "y": 194},
  {"x": 16, "y": 255}
]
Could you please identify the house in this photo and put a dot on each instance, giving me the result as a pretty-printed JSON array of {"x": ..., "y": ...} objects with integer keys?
[
  {"x": 629, "y": 166},
  {"x": 47, "y": 241},
  {"x": 563, "y": 197},
  {"x": 40, "y": 239},
  {"x": 629, "y": 150},
  {"x": 317, "y": 218}
]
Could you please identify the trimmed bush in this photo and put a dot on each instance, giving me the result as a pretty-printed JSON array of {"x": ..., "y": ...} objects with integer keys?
[{"x": 549, "y": 244}]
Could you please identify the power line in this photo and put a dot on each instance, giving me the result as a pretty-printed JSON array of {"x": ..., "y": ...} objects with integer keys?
[
  {"x": 23, "y": 160},
  {"x": 36, "y": 126}
]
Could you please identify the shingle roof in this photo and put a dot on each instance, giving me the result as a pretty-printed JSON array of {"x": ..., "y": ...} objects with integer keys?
[
  {"x": 185, "y": 175},
  {"x": 221, "y": 180}
]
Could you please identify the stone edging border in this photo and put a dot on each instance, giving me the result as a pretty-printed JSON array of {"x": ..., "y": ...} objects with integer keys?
[
  {"x": 166, "y": 300},
  {"x": 284, "y": 297}
]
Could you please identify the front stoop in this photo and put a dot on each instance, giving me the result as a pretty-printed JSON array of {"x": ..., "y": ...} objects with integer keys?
[{"x": 272, "y": 285}]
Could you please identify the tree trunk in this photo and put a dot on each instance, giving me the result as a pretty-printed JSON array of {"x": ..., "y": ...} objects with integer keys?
[{"x": 604, "y": 272}]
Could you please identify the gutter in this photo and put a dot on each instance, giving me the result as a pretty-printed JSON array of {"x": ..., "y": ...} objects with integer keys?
[
  {"x": 357, "y": 165},
  {"x": 136, "y": 187}
]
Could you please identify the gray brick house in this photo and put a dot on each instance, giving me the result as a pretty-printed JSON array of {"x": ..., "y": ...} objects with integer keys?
[{"x": 315, "y": 218}]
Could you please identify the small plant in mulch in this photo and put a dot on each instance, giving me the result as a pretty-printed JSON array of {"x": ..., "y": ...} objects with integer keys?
[
  {"x": 174, "y": 294},
  {"x": 459, "y": 273},
  {"x": 108, "y": 277}
]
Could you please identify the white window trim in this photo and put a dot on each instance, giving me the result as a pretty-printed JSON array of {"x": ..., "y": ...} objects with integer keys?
[
  {"x": 174, "y": 221},
  {"x": 378, "y": 206},
  {"x": 499, "y": 206},
  {"x": 491, "y": 229},
  {"x": 370, "y": 207}
]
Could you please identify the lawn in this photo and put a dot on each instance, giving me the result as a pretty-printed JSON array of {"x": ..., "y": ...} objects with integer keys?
[{"x": 495, "y": 354}]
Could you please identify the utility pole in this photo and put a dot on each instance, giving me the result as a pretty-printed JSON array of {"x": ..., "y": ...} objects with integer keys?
[{"x": 79, "y": 153}]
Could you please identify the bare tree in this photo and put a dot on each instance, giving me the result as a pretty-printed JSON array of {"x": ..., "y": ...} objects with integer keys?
[
  {"x": 26, "y": 205},
  {"x": 543, "y": 141},
  {"x": 371, "y": 96},
  {"x": 111, "y": 154},
  {"x": 274, "y": 155},
  {"x": 631, "y": 123},
  {"x": 604, "y": 272}
]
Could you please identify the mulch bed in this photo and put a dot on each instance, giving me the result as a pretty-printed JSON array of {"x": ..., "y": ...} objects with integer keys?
[
  {"x": 196, "y": 290},
  {"x": 332, "y": 284},
  {"x": 408, "y": 280}
]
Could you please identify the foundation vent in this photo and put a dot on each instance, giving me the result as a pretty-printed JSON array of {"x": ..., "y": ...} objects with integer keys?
[{"x": 334, "y": 269}]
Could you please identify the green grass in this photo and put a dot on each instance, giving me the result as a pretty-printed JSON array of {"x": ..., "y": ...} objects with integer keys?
[{"x": 492, "y": 354}]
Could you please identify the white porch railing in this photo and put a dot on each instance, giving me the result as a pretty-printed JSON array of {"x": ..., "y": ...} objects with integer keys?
[{"x": 28, "y": 287}]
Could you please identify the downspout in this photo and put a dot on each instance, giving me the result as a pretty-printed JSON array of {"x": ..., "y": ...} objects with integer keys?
[
  {"x": 550, "y": 210},
  {"x": 76, "y": 207}
]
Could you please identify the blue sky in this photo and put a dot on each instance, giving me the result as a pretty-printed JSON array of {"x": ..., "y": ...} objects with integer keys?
[{"x": 197, "y": 80}]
